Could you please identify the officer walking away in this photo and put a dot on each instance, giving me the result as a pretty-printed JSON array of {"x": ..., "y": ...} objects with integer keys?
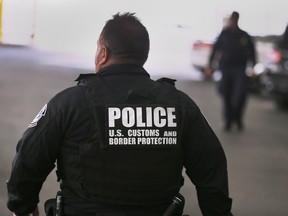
[
  {"x": 120, "y": 139},
  {"x": 234, "y": 52},
  {"x": 283, "y": 41}
]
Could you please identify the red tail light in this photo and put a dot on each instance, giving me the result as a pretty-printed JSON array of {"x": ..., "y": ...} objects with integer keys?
[{"x": 275, "y": 56}]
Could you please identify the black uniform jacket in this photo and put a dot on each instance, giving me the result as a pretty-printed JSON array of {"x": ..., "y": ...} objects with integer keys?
[
  {"x": 233, "y": 48},
  {"x": 66, "y": 117}
]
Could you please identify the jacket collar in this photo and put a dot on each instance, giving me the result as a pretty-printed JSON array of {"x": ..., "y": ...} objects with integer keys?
[
  {"x": 120, "y": 69},
  {"x": 117, "y": 69}
]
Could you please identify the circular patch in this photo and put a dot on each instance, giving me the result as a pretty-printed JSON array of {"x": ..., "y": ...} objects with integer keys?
[{"x": 38, "y": 117}]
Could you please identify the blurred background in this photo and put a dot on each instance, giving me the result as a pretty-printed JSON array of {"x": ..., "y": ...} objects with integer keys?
[
  {"x": 71, "y": 27},
  {"x": 45, "y": 44}
]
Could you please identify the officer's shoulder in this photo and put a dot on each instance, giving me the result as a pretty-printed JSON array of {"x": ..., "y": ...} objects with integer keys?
[
  {"x": 79, "y": 88},
  {"x": 225, "y": 31},
  {"x": 166, "y": 80},
  {"x": 171, "y": 83},
  {"x": 83, "y": 77},
  {"x": 69, "y": 95},
  {"x": 243, "y": 32},
  {"x": 187, "y": 100}
]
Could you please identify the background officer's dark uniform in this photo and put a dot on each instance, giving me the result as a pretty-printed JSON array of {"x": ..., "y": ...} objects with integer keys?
[
  {"x": 235, "y": 49},
  {"x": 120, "y": 140}
]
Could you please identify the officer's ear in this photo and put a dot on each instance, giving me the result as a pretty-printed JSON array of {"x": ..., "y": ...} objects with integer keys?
[{"x": 102, "y": 56}]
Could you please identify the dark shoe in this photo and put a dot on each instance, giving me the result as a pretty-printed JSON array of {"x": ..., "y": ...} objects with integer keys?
[
  {"x": 227, "y": 127},
  {"x": 240, "y": 126}
]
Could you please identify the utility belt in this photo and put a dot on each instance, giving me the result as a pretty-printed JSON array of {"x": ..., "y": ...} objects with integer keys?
[{"x": 54, "y": 207}]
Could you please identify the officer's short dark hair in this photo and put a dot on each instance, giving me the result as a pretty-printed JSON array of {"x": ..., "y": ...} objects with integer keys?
[
  {"x": 235, "y": 15},
  {"x": 126, "y": 38}
]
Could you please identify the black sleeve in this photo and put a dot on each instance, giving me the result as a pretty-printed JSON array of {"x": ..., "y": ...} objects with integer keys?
[
  {"x": 217, "y": 46},
  {"x": 35, "y": 158},
  {"x": 206, "y": 165},
  {"x": 251, "y": 53}
]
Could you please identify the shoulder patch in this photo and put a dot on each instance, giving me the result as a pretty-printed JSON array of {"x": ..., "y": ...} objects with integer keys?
[{"x": 38, "y": 117}]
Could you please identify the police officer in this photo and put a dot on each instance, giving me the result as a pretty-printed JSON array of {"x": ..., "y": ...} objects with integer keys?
[
  {"x": 283, "y": 41},
  {"x": 236, "y": 51},
  {"x": 120, "y": 139}
]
